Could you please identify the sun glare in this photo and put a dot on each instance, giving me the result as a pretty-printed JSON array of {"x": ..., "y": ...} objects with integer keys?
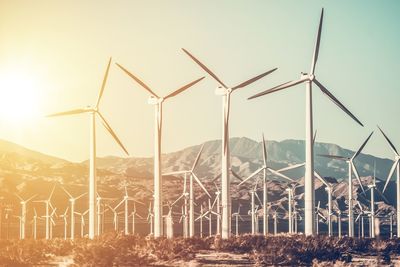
[{"x": 19, "y": 97}]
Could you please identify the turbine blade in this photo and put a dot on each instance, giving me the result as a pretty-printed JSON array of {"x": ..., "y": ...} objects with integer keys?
[
  {"x": 280, "y": 174},
  {"x": 382, "y": 196},
  {"x": 51, "y": 194},
  {"x": 103, "y": 85},
  {"x": 334, "y": 157},
  {"x": 321, "y": 179},
  {"x": 278, "y": 88},
  {"x": 201, "y": 185},
  {"x": 138, "y": 81},
  {"x": 29, "y": 199},
  {"x": 80, "y": 196},
  {"x": 264, "y": 150},
  {"x": 20, "y": 198},
  {"x": 251, "y": 175},
  {"x": 69, "y": 112},
  {"x": 119, "y": 204},
  {"x": 216, "y": 177},
  {"x": 62, "y": 187},
  {"x": 197, "y": 157},
  {"x": 390, "y": 142},
  {"x": 204, "y": 68},
  {"x": 291, "y": 167},
  {"x": 336, "y": 101},
  {"x": 180, "y": 90},
  {"x": 315, "y": 136},
  {"x": 254, "y": 79},
  {"x": 109, "y": 129},
  {"x": 179, "y": 198},
  {"x": 357, "y": 176},
  {"x": 317, "y": 43},
  {"x": 236, "y": 175},
  {"x": 395, "y": 163},
  {"x": 258, "y": 198},
  {"x": 361, "y": 147}
]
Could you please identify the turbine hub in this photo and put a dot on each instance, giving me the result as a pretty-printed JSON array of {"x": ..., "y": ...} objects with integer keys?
[
  {"x": 311, "y": 77},
  {"x": 221, "y": 90}
]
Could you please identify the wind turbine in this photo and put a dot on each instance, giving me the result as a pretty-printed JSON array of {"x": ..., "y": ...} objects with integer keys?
[
  {"x": 264, "y": 168},
  {"x": 92, "y": 161},
  {"x": 169, "y": 223},
  {"x": 184, "y": 221},
  {"x": 351, "y": 169},
  {"x": 191, "y": 188},
  {"x": 157, "y": 101},
  {"x": 82, "y": 215},
  {"x": 23, "y": 214},
  {"x": 34, "y": 223},
  {"x": 134, "y": 214},
  {"x": 125, "y": 201},
  {"x": 395, "y": 166},
  {"x": 308, "y": 79},
  {"x": 72, "y": 201},
  {"x": 65, "y": 218},
  {"x": 52, "y": 222},
  {"x": 361, "y": 216},
  {"x": 47, "y": 216},
  {"x": 200, "y": 218},
  {"x": 217, "y": 202},
  {"x": 318, "y": 214},
  {"x": 225, "y": 91},
  {"x": 328, "y": 189},
  {"x": 237, "y": 216},
  {"x": 275, "y": 217}
]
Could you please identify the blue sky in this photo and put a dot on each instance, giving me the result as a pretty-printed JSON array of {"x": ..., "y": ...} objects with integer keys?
[{"x": 64, "y": 47}]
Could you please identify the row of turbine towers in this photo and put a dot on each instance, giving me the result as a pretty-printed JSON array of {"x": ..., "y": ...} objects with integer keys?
[{"x": 225, "y": 92}]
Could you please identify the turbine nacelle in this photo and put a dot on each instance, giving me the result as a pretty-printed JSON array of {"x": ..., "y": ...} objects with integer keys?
[
  {"x": 155, "y": 100},
  {"x": 220, "y": 90}
]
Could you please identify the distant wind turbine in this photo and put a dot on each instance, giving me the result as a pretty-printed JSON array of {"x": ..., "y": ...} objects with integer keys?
[
  {"x": 351, "y": 169},
  {"x": 23, "y": 214},
  {"x": 395, "y": 166},
  {"x": 308, "y": 79},
  {"x": 47, "y": 216},
  {"x": 72, "y": 206}
]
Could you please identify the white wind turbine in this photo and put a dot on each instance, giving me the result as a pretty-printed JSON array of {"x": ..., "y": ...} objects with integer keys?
[
  {"x": 92, "y": 161},
  {"x": 237, "y": 216},
  {"x": 254, "y": 208},
  {"x": 351, "y": 169},
  {"x": 34, "y": 223},
  {"x": 318, "y": 214},
  {"x": 169, "y": 223},
  {"x": 65, "y": 218},
  {"x": 125, "y": 201},
  {"x": 82, "y": 215},
  {"x": 200, "y": 218},
  {"x": 72, "y": 201},
  {"x": 192, "y": 175},
  {"x": 308, "y": 79},
  {"x": 158, "y": 101},
  {"x": 183, "y": 219},
  {"x": 52, "y": 222},
  {"x": 134, "y": 214},
  {"x": 23, "y": 214},
  {"x": 264, "y": 168},
  {"x": 328, "y": 189},
  {"x": 101, "y": 214},
  {"x": 395, "y": 166},
  {"x": 217, "y": 202},
  {"x": 360, "y": 218},
  {"x": 225, "y": 91},
  {"x": 47, "y": 216},
  {"x": 275, "y": 217},
  {"x": 290, "y": 216}
]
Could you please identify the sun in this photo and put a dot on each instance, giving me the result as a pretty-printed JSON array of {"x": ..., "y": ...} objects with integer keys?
[{"x": 19, "y": 97}]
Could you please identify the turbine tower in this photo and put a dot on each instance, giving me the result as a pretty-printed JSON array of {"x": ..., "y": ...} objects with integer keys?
[
  {"x": 351, "y": 169},
  {"x": 158, "y": 101},
  {"x": 92, "y": 161},
  {"x": 225, "y": 91},
  {"x": 191, "y": 188},
  {"x": 23, "y": 214},
  {"x": 308, "y": 79},
  {"x": 395, "y": 166}
]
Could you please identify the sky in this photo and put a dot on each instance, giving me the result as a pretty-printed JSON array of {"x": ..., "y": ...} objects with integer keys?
[{"x": 53, "y": 55}]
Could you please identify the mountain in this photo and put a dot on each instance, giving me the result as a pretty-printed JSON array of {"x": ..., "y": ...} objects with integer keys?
[{"x": 27, "y": 172}]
